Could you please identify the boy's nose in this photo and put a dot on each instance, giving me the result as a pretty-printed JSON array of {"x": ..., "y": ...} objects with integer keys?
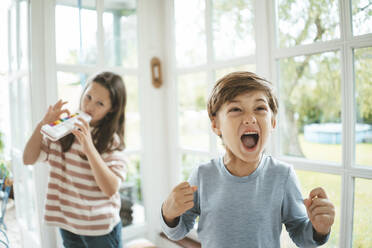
[{"x": 249, "y": 120}]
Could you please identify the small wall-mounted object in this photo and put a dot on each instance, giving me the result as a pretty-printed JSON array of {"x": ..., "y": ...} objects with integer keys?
[{"x": 157, "y": 79}]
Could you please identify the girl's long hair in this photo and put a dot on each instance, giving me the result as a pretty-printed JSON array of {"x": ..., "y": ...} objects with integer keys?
[{"x": 103, "y": 134}]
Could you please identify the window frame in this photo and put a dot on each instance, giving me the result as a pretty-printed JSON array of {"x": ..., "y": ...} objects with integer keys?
[
  {"x": 52, "y": 68},
  {"x": 348, "y": 170},
  {"x": 211, "y": 65}
]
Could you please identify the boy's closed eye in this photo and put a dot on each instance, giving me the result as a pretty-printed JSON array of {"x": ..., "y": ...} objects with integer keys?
[
  {"x": 234, "y": 109},
  {"x": 261, "y": 108}
]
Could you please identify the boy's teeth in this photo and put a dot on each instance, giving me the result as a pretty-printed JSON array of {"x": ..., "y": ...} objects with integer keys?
[{"x": 250, "y": 133}]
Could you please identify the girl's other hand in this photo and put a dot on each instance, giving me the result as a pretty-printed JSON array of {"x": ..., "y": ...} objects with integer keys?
[
  {"x": 54, "y": 112},
  {"x": 82, "y": 133}
]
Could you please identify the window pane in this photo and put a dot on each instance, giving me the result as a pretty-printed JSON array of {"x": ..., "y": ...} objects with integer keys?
[
  {"x": 363, "y": 90},
  {"x": 13, "y": 39},
  {"x": 307, "y": 21},
  {"x": 362, "y": 16},
  {"x": 310, "y": 113},
  {"x": 224, "y": 71},
  {"x": 5, "y": 129},
  {"x": 70, "y": 87},
  {"x": 16, "y": 137},
  {"x": 189, "y": 162},
  {"x": 332, "y": 185},
  {"x": 120, "y": 27},
  {"x": 190, "y": 32},
  {"x": 132, "y": 210},
  {"x": 132, "y": 118},
  {"x": 233, "y": 28},
  {"x": 193, "y": 116},
  {"x": 23, "y": 8},
  {"x": 76, "y": 35},
  {"x": 362, "y": 228},
  {"x": 25, "y": 107}
]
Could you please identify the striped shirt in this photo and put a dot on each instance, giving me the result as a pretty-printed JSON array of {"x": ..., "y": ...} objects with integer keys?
[{"x": 74, "y": 201}]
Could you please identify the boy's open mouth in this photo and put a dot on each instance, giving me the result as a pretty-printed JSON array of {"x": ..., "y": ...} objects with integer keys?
[{"x": 250, "y": 139}]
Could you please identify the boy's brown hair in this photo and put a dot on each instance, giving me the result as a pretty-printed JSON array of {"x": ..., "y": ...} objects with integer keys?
[{"x": 237, "y": 83}]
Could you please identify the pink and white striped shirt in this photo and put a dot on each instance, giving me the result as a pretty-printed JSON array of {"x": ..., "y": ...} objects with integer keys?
[{"x": 74, "y": 201}]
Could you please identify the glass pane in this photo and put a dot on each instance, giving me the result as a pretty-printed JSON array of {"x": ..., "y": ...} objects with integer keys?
[
  {"x": 193, "y": 117},
  {"x": 190, "y": 32},
  {"x": 23, "y": 33},
  {"x": 132, "y": 210},
  {"x": 70, "y": 87},
  {"x": 310, "y": 100},
  {"x": 362, "y": 228},
  {"x": 233, "y": 28},
  {"x": 362, "y": 16},
  {"x": 13, "y": 39},
  {"x": 76, "y": 35},
  {"x": 5, "y": 134},
  {"x": 120, "y": 27},
  {"x": 363, "y": 90},
  {"x": 332, "y": 185},
  {"x": 307, "y": 21},
  {"x": 189, "y": 162},
  {"x": 25, "y": 107},
  {"x": 132, "y": 118},
  {"x": 224, "y": 71},
  {"x": 14, "y": 114}
]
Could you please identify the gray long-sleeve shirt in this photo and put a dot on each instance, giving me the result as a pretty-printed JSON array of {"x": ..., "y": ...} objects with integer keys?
[{"x": 246, "y": 211}]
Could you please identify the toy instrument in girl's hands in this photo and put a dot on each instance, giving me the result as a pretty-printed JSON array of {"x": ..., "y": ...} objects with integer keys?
[{"x": 60, "y": 128}]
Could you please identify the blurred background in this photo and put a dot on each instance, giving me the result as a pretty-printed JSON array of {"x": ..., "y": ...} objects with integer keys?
[{"x": 317, "y": 53}]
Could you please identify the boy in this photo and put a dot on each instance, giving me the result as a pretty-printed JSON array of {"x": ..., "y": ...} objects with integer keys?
[{"x": 243, "y": 198}]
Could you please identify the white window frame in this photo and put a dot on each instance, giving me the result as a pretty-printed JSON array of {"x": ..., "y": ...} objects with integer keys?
[
  {"x": 148, "y": 155},
  {"x": 260, "y": 60},
  {"x": 348, "y": 171},
  {"x": 135, "y": 229},
  {"x": 209, "y": 67}
]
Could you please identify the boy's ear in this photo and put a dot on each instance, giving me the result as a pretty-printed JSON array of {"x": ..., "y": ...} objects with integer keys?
[
  {"x": 273, "y": 122},
  {"x": 216, "y": 126}
]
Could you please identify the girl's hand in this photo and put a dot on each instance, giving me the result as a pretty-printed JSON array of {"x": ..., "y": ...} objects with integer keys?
[
  {"x": 320, "y": 211},
  {"x": 82, "y": 133},
  {"x": 54, "y": 112}
]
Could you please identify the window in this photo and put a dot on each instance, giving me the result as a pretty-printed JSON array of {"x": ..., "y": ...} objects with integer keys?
[
  {"x": 206, "y": 48},
  {"x": 20, "y": 127},
  {"x": 322, "y": 52},
  {"x": 97, "y": 36}
]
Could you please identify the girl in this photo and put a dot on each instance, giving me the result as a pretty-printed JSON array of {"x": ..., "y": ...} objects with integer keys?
[{"x": 86, "y": 167}]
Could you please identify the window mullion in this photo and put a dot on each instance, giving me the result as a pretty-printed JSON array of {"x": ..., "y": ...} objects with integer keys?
[
  {"x": 348, "y": 131},
  {"x": 345, "y": 20},
  {"x": 210, "y": 60},
  {"x": 100, "y": 34},
  {"x": 347, "y": 204},
  {"x": 208, "y": 30}
]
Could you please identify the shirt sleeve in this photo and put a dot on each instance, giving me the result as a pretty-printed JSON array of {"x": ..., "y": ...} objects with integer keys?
[
  {"x": 117, "y": 164},
  {"x": 187, "y": 220},
  {"x": 294, "y": 215},
  {"x": 44, "y": 150}
]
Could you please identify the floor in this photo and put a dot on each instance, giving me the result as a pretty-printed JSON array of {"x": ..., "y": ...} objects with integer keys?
[{"x": 13, "y": 232}]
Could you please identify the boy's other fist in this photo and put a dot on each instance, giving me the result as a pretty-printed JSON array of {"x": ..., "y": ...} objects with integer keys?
[
  {"x": 320, "y": 210},
  {"x": 178, "y": 202}
]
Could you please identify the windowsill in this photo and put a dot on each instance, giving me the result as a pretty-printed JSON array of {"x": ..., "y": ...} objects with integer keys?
[
  {"x": 185, "y": 242},
  {"x": 133, "y": 231}
]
